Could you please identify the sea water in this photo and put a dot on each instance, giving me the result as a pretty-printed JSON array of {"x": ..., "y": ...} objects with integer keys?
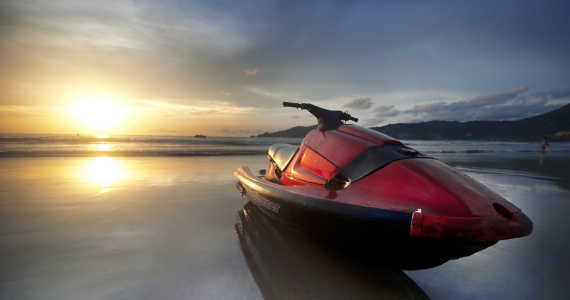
[{"x": 62, "y": 145}]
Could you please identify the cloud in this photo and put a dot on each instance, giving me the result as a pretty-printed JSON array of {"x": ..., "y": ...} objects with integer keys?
[
  {"x": 195, "y": 49},
  {"x": 264, "y": 92},
  {"x": 557, "y": 94},
  {"x": 509, "y": 105},
  {"x": 226, "y": 93},
  {"x": 515, "y": 111},
  {"x": 373, "y": 122},
  {"x": 426, "y": 108},
  {"x": 359, "y": 103},
  {"x": 162, "y": 130},
  {"x": 382, "y": 113},
  {"x": 196, "y": 112},
  {"x": 251, "y": 72},
  {"x": 386, "y": 111},
  {"x": 495, "y": 98}
]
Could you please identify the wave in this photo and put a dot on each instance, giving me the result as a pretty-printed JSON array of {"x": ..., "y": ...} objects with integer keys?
[
  {"x": 126, "y": 153},
  {"x": 225, "y": 152},
  {"x": 139, "y": 140},
  {"x": 38, "y": 145}
]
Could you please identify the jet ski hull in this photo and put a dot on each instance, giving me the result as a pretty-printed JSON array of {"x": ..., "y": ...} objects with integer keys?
[{"x": 340, "y": 224}]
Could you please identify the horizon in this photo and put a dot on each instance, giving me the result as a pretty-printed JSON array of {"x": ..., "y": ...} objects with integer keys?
[
  {"x": 223, "y": 68},
  {"x": 102, "y": 136}
]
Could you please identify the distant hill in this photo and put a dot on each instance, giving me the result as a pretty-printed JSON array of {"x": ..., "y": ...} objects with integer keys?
[
  {"x": 295, "y": 132},
  {"x": 554, "y": 124}
]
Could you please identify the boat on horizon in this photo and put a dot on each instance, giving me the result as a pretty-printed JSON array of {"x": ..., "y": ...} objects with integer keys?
[{"x": 200, "y": 136}]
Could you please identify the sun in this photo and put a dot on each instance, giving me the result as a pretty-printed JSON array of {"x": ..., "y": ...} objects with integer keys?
[{"x": 98, "y": 112}]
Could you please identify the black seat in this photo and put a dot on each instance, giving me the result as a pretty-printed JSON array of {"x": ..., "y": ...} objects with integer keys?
[{"x": 281, "y": 155}]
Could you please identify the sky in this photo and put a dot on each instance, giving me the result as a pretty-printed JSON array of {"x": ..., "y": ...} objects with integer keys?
[{"x": 223, "y": 68}]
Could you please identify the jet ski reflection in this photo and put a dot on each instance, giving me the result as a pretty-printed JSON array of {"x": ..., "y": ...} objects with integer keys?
[{"x": 288, "y": 265}]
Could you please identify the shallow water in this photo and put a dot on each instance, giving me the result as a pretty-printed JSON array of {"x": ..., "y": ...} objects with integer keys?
[
  {"x": 165, "y": 227},
  {"x": 533, "y": 267},
  {"x": 66, "y": 145}
]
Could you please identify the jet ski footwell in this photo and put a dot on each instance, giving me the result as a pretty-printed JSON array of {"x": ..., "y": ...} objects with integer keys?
[{"x": 312, "y": 211}]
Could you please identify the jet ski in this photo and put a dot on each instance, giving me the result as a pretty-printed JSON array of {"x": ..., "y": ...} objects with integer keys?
[{"x": 350, "y": 185}]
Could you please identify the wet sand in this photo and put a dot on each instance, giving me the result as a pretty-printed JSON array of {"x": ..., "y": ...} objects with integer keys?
[
  {"x": 169, "y": 228},
  {"x": 533, "y": 267}
]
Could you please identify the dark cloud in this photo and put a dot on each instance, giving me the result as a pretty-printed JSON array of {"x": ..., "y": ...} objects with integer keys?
[
  {"x": 386, "y": 111},
  {"x": 463, "y": 109},
  {"x": 359, "y": 103},
  {"x": 426, "y": 108},
  {"x": 373, "y": 122},
  {"x": 495, "y": 98},
  {"x": 517, "y": 110},
  {"x": 558, "y": 94},
  {"x": 382, "y": 113},
  {"x": 509, "y": 105}
]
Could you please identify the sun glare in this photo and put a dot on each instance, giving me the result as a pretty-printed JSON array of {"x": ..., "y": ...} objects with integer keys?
[
  {"x": 104, "y": 171},
  {"x": 98, "y": 112}
]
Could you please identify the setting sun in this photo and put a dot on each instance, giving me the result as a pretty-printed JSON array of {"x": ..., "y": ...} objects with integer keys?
[{"x": 98, "y": 112}]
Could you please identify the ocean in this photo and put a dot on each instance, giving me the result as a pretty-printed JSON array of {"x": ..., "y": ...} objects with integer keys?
[
  {"x": 155, "y": 217},
  {"x": 66, "y": 145}
]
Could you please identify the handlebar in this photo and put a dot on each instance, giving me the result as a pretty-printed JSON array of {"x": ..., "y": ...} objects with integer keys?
[
  {"x": 291, "y": 104},
  {"x": 321, "y": 112},
  {"x": 350, "y": 118}
]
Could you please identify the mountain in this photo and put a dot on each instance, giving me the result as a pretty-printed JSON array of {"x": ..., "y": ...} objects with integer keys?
[
  {"x": 555, "y": 125},
  {"x": 295, "y": 132}
]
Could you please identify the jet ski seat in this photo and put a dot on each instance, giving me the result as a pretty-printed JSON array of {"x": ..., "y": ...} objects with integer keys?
[{"x": 281, "y": 155}]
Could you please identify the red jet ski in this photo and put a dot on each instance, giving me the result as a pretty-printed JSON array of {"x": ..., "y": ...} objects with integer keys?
[{"x": 350, "y": 184}]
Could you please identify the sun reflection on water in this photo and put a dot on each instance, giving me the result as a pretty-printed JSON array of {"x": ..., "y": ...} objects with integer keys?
[
  {"x": 104, "y": 171},
  {"x": 102, "y": 147}
]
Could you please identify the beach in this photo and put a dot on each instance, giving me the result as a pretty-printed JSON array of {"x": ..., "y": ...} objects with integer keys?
[{"x": 169, "y": 228}]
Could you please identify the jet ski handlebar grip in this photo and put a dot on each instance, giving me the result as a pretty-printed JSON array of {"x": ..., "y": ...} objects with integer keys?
[
  {"x": 291, "y": 104},
  {"x": 346, "y": 117}
]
